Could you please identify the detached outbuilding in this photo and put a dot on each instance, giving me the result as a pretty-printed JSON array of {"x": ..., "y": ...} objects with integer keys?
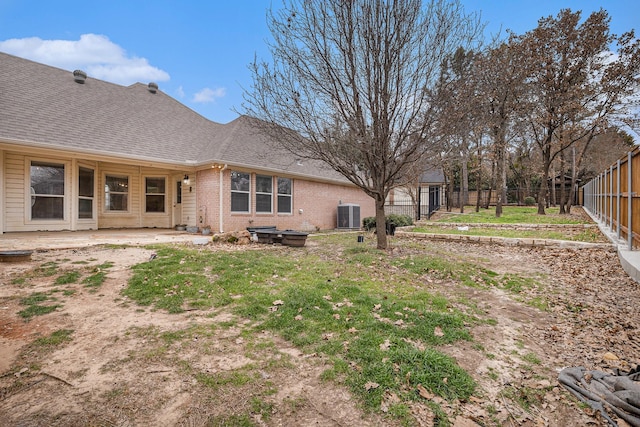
[{"x": 78, "y": 153}]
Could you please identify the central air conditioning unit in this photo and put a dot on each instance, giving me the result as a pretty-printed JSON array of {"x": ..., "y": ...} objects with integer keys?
[{"x": 348, "y": 216}]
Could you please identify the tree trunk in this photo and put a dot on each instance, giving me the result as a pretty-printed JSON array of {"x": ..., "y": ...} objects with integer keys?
[
  {"x": 478, "y": 190},
  {"x": 493, "y": 183},
  {"x": 501, "y": 178},
  {"x": 544, "y": 183},
  {"x": 465, "y": 181},
  {"x": 562, "y": 186},
  {"x": 552, "y": 189},
  {"x": 574, "y": 180},
  {"x": 381, "y": 226}
]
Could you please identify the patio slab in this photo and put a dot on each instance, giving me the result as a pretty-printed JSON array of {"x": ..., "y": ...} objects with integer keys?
[{"x": 38, "y": 241}]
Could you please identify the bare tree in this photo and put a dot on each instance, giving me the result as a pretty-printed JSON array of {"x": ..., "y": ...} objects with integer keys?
[
  {"x": 500, "y": 80},
  {"x": 352, "y": 81},
  {"x": 574, "y": 86}
]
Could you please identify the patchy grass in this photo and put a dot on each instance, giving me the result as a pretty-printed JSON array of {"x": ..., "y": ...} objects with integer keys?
[
  {"x": 47, "y": 269},
  {"x": 514, "y": 215},
  {"x": 361, "y": 310},
  {"x": 35, "y": 307},
  {"x": 590, "y": 236},
  {"x": 97, "y": 276},
  {"x": 68, "y": 277},
  {"x": 56, "y": 339}
]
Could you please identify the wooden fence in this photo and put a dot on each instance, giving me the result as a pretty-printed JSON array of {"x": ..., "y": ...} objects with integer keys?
[{"x": 613, "y": 198}]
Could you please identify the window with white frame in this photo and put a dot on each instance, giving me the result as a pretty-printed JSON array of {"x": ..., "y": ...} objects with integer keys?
[
  {"x": 85, "y": 193},
  {"x": 116, "y": 193},
  {"x": 155, "y": 194},
  {"x": 285, "y": 196},
  {"x": 240, "y": 191},
  {"x": 47, "y": 190},
  {"x": 264, "y": 194}
]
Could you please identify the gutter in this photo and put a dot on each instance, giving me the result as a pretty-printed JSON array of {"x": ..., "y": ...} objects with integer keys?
[{"x": 220, "y": 204}]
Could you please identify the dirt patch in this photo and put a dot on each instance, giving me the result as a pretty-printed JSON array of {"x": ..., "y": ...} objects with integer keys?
[{"x": 119, "y": 368}]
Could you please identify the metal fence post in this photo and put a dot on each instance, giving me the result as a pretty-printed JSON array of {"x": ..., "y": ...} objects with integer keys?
[
  {"x": 599, "y": 208},
  {"x": 611, "y": 197}
]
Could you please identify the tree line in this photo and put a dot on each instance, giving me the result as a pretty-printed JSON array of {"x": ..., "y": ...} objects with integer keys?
[{"x": 380, "y": 90}]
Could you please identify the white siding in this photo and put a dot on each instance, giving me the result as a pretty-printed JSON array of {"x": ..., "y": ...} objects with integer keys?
[{"x": 15, "y": 203}]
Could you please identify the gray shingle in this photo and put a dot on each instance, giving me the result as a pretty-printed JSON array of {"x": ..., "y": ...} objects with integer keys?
[{"x": 44, "y": 105}]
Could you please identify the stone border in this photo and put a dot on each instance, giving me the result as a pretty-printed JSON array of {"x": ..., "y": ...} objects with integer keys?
[
  {"x": 516, "y": 226},
  {"x": 507, "y": 241}
]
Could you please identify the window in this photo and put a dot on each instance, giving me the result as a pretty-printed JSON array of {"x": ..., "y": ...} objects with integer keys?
[
  {"x": 264, "y": 193},
  {"x": 85, "y": 193},
  {"x": 154, "y": 192},
  {"x": 284, "y": 195},
  {"x": 47, "y": 190},
  {"x": 116, "y": 191},
  {"x": 179, "y": 192},
  {"x": 240, "y": 190}
]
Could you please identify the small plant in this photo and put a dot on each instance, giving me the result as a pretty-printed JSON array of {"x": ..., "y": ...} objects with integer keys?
[
  {"x": 399, "y": 220},
  {"x": 369, "y": 223},
  {"x": 55, "y": 339},
  {"x": 531, "y": 358},
  {"x": 529, "y": 201},
  {"x": 95, "y": 280},
  {"x": 47, "y": 269},
  {"x": 33, "y": 306},
  {"x": 67, "y": 278}
]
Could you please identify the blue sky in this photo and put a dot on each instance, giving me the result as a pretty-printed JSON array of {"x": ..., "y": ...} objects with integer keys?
[{"x": 198, "y": 51}]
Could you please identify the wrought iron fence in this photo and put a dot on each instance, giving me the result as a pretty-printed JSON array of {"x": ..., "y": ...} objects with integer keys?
[{"x": 429, "y": 199}]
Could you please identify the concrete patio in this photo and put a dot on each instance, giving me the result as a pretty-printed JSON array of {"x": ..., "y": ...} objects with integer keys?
[{"x": 77, "y": 239}]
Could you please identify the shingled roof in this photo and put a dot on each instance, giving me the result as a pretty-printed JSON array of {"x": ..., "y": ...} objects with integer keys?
[{"x": 44, "y": 106}]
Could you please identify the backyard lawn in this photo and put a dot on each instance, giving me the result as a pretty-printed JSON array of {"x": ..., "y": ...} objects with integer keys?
[{"x": 333, "y": 333}]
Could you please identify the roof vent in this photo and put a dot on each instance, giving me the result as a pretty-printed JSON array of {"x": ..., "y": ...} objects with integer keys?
[
  {"x": 79, "y": 76},
  {"x": 153, "y": 87}
]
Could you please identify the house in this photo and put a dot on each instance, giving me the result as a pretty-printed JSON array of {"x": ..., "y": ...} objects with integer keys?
[
  {"x": 77, "y": 153},
  {"x": 420, "y": 200}
]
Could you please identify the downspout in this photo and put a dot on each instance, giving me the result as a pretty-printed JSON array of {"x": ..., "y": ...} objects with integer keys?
[{"x": 220, "y": 204}]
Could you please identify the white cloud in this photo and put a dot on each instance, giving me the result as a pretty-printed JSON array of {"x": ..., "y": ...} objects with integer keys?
[
  {"x": 209, "y": 95},
  {"x": 180, "y": 92},
  {"x": 95, "y": 54}
]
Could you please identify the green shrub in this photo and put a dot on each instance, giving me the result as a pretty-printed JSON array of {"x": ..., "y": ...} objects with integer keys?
[
  {"x": 399, "y": 220},
  {"x": 369, "y": 223},
  {"x": 529, "y": 201}
]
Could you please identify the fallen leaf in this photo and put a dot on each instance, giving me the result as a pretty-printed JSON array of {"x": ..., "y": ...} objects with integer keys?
[
  {"x": 278, "y": 302},
  {"x": 437, "y": 331},
  {"x": 385, "y": 345},
  {"x": 371, "y": 385},
  {"x": 424, "y": 393},
  {"x": 298, "y": 317},
  {"x": 377, "y": 307},
  {"x": 388, "y": 400}
]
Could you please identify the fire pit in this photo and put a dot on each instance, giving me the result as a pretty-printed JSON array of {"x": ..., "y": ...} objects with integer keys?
[
  {"x": 15, "y": 256},
  {"x": 286, "y": 237}
]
